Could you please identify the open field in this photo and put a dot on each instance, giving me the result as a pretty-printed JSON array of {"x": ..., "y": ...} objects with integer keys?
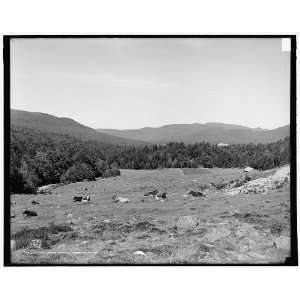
[{"x": 245, "y": 228}]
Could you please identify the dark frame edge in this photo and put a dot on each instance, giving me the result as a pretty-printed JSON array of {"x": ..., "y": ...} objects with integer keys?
[
  {"x": 6, "y": 118},
  {"x": 290, "y": 261},
  {"x": 293, "y": 259}
]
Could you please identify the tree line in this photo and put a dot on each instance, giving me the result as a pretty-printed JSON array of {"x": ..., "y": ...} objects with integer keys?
[{"x": 38, "y": 158}]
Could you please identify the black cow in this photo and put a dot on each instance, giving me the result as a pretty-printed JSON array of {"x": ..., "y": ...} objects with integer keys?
[
  {"x": 153, "y": 193},
  {"x": 81, "y": 199},
  {"x": 33, "y": 202},
  {"x": 164, "y": 195},
  {"x": 30, "y": 213},
  {"x": 196, "y": 194},
  {"x": 77, "y": 199},
  {"x": 161, "y": 195}
]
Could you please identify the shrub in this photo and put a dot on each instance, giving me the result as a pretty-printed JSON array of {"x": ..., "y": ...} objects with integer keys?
[
  {"x": 32, "y": 182},
  {"x": 16, "y": 182},
  {"x": 78, "y": 172},
  {"x": 100, "y": 167},
  {"x": 112, "y": 172},
  {"x": 276, "y": 228},
  {"x": 25, "y": 236}
]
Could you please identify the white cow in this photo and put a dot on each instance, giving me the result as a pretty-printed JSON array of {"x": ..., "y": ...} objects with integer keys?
[{"x": 120, "y": 199}]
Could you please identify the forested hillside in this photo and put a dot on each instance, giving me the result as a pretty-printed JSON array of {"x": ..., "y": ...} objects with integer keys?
[
  {"x": 39, "y": 158},
  {"x": 180, "y": 155},
  {"x": 209, "y": 132},
  {"x": 52, "y": 124}
]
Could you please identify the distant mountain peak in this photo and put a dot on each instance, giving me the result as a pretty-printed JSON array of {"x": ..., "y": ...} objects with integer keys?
[
  {"x": 213, "y": 132},
  {"x": 61, "y": 125}
]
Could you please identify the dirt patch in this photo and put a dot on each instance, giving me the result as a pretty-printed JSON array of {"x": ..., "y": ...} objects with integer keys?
[
  {"x": 24, "y": 237},
  {"x": 250, "y": 217},
  {"x": 161, "y": 250},
  {"x": 126, "y": 228}
]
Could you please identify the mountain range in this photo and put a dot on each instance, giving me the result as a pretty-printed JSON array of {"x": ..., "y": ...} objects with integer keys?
[
  {"x": 187, "y": 133},
  {"x": 49, "y": 123},
  {"x": 210, "y": 132}
]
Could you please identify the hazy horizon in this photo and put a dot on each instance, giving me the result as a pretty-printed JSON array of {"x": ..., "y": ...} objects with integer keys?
[
  {"x": 155, "y": 126},
  {"x": 135, "y": 83}
]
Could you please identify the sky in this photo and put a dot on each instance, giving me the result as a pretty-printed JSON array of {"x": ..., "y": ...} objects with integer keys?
[{"x": 125, "y": 83}]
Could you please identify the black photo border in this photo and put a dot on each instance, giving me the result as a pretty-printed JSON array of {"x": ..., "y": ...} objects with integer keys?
[{"x": 290, "y": 261}]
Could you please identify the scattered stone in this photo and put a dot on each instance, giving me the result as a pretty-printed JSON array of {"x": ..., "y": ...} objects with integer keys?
[
  {"x": 187, "y": 222},
  {"x": 29, "y": 213},
  {"x": 36, "y": 244},
  {"x": 233, "y": 192},
  {"x": 139, "y": 253},
  {"x": 259, "y": 185},
  {"x": 47, "y": 189},
  {"x": 13, "y": 245},
  {"x": 282, "y": 242},
  {"x": 248, "y": 169},
  {"x": 73, "y": 222},
  {"x": 281, "y": 177}
]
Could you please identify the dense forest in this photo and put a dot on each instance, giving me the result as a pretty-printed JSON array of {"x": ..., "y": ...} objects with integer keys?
[{"x": 38, "y": 158}]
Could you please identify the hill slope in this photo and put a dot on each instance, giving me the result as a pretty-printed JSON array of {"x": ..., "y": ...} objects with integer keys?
[
  {"x": 210, "y": 132},
  {"x": 48, "y": 123}
]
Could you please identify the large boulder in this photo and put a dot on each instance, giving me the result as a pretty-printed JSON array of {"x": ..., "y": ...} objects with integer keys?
[
  {"x": 283, "y": 242},
  {"x": 281, "y": 176},
  {"x": 187, "y": 222},
  {"x": 35, "y": 244}
]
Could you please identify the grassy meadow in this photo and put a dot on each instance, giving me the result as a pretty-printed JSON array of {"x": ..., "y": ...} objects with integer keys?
[{"x": 245, "y": 228}]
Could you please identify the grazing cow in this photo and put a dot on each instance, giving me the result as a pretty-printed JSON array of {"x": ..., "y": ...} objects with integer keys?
[
  {"x": 153, "y": 193},
  {"x": 161, "y": 196},
  {"x": 81, "y": 199},
  {"x": 120, "y": 199},
  {"x": 13, "y": 202},
  {"x": 12, "y": 215},
  {"x": 29, "y": 213},
  {"x": 86, "y": 199},
  {"x": 77, "y": 199},
  {"x": 196, "y": 194},
  {"x": 33, "y": 202}
]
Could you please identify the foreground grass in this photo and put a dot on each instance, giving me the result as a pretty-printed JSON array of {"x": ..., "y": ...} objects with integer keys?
[{"x": 232, "y": 229}]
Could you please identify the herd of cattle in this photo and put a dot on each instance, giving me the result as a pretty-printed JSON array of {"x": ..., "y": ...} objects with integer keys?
[{"x": 156, "y": 194}]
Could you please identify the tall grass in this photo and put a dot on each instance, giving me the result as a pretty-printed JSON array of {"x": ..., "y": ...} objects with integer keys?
[{"x": 23, "y": 237}]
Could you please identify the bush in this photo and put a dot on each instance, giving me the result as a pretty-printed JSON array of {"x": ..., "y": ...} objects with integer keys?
[
  {"x": 25, "y": 236},
  {"x": 100, "y": 167},
  {"x": 32, "y": 182},
  {"x": 78, "y": 172},
  {"x": 112, "y": 172},
  {"x": 16, "y": 182}
]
